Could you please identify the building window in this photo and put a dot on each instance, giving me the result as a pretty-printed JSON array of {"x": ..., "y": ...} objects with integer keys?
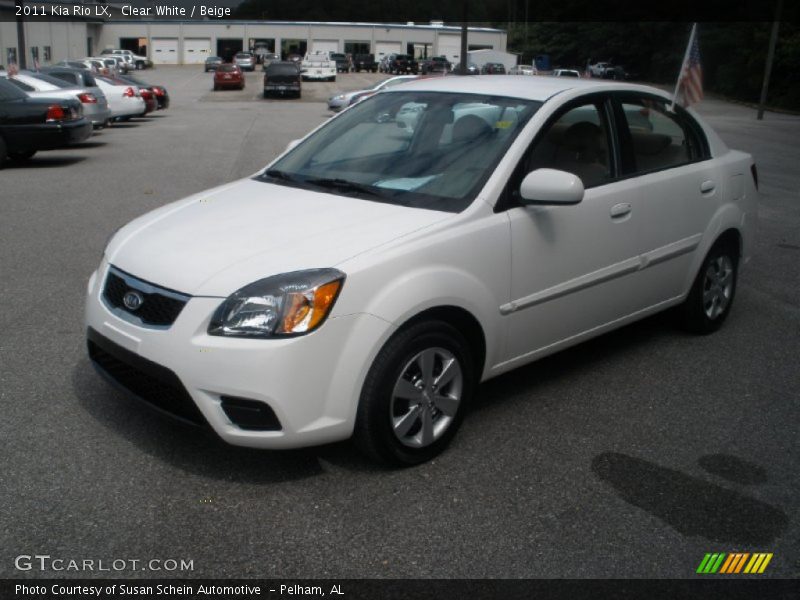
[
  {"x": 35, "y": 55},
  {"x": 48, "y": 56},
  {"x": 11, "y": 56}
]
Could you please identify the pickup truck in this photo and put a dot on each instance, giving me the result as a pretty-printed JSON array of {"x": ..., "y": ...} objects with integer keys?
[
  {"x": 135, "y": 60},
  {"x": 435, "y": 64},
  {"x": 402, "y": 63},
  {"x": 365, "y": 62},
  {"x": 318, "y": 66}
]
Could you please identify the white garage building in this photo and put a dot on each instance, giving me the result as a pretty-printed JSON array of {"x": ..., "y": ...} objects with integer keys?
[{"x": 186, "y": 42}]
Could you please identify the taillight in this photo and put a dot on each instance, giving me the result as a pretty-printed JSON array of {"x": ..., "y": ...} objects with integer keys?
[
  {"x": 159, "y": 91},
  {"x": 55, "y": 113},
  {"x": 754, "y": 172},
  {"x": 87, "y": 98},
  {"x": 129, "y": 93}
]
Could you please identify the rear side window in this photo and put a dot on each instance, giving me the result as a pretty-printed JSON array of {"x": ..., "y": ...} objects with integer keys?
[
  {"x": 659, "y": 138},
  {"x": 9, "y": 92}
]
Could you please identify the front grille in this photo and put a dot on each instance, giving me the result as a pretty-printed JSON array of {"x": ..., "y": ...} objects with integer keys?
[
  {"x": 148, "y": 381},
  {"x": 160, "y": 306}
]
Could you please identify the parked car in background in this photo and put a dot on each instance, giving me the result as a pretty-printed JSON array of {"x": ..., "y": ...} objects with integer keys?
[
  {"x": 365, "y": 62},
  {"x": 567, "y": 73},
  {"x": 138, "y": 61},
  {"x": 82, "y": 78},
  {"x": 366, "y": 281},
  {"x": 402, "y": 63},
  {"x": 42, "y": 85},
  {"x": 124, "y": 99},
  {"x": 342, "y": 100},
  {"x": 342, "y": 62},
  {"x": 493, "y": 68},
  {"x": 523, "y": 70},
  {"x": 159, "y": 92},
  {"x": 212, "y": 63},
  {"x": 29, "y": 124},
  {"x": 245, "y": 61},
  {"x": 228, "y": 76},
  {"x": 268, "y": 59},
  {"x": 435, "y": 64},
  {"x": 472, "y": 69},
  {"x": 383, "y": 64},
  {"x": 599, "y": 69},
  {"x": 282, "y": 79}
]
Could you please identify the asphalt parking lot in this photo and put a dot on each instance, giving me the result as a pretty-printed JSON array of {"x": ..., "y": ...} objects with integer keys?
[{"x": 629, "y": 456}]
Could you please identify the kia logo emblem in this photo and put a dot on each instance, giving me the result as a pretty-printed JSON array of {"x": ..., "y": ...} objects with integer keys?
[{"x": 132, "y": 300}]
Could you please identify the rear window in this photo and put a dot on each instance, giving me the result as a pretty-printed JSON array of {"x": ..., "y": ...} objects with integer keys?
[
  {"x": 282, "y": 69},
  {"x": 56, "y": 81},
  {"x": 23, "y": 86},
  {"x": 9, "y": 92},
  {"x": 228, "y": 68},
  {"x": 243, "y": 55}
]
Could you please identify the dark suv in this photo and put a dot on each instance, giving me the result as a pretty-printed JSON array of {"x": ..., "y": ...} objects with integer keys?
[
  {"x": 435, "y": 64},
  {"x": 342, "y": 62},
  {"x": 282, "y": 78},
  {"x": 365, "y": 62}
]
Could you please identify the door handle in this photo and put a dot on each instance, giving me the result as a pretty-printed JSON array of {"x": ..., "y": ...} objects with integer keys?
[
  {"x": 707, "y": 187},
  {"x": 620, "y": 210}
]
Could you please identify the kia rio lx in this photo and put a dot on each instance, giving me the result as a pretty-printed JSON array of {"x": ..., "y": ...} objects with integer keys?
[{"x": 429, "y": 238}]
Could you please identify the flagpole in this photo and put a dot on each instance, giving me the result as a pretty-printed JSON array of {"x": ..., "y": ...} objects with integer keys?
[{"x": 683, "y": 66}]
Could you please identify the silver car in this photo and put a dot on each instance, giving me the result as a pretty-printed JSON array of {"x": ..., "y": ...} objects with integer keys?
[
  {"x": 41, "y": 85},
  {"x": 245, "y": 61}
]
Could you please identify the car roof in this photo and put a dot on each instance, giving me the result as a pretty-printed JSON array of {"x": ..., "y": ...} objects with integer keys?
[{"x": 530, "y": 88}]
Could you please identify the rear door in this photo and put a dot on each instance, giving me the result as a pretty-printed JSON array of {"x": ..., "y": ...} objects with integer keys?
[{"x": 680, "y": 188}]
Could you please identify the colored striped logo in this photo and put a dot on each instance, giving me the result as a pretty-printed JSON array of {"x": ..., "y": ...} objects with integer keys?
[{"x": 734, "y": 563}]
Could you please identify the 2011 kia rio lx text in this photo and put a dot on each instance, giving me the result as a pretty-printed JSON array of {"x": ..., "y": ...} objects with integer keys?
[{"x": 431, "y": 237}]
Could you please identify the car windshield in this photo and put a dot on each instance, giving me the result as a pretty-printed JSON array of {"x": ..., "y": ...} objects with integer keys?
[{"x": 428, "y": 150}]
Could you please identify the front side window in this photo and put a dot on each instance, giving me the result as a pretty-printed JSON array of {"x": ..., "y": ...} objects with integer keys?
[
  {"x": 422, "y": 149},
  {"x": 577, "y": 142},
  {"x": 658, "y": 138}
]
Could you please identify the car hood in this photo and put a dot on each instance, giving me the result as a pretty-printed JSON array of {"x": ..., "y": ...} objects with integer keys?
[{"x": 216, "y": 242}]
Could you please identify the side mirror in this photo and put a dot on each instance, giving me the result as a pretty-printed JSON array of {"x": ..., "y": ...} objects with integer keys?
[
  {"x": 292, "y": 144},
  {"x": 550, "y": 186}
]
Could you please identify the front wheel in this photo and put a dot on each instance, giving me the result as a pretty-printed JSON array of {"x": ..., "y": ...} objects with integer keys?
[
  {"x": 413, "y": 398},
  {"x": 713, "y": 290},
  {"x": 21, "y": 155}
]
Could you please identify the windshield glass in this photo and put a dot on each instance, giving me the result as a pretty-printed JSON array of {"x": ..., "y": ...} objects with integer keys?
[{"x": 423, "y": 149}]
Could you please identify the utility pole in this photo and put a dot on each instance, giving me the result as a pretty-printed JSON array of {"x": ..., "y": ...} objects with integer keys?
[
  {"x": 21, "y": 49},
  {"x": 464, "y": 30},
  {"x": 773, "y": 40}
]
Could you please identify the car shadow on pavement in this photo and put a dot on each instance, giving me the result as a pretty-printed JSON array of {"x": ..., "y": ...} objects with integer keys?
[
  {"x": 44, "y": 162},
  {"x": 569, "y": 363},
  {"x": 89, "y": 144},
  {"x": 692, "y": 506},
  {"x": 191, "y": 449}
]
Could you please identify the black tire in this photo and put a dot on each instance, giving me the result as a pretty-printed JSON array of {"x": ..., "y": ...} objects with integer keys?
[
  {"x": 711, "y": 297},
  {"x": 374, "y": 431},
  {"x": 22, "y": 155},
  {"x": 3, "y": 152}
]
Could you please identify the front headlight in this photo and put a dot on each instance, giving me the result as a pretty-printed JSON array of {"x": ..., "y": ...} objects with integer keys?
[{"x": 280, "y": 306}]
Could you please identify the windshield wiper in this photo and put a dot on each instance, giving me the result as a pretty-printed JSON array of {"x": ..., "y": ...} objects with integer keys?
[
  {"x": 346, "y": 186},
  {"x": 278, "y": 174}
]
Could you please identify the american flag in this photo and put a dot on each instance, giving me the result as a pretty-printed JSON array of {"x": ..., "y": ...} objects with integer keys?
[{"x": 691, "y": 80}]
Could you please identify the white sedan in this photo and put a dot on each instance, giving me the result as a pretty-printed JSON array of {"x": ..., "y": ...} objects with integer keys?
[
  {"x": 368, "y": 279},
  {"x": 124, "y": 99}
]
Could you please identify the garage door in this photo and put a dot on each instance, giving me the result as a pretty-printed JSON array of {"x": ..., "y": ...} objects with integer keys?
[
  {"x": 324, "y": 46},
  {"x": 196, "y": 51},
  {"x": 165, "y": 51},
  {"x": 385, "y": 48},
  {"x": 449, "y": 46}
]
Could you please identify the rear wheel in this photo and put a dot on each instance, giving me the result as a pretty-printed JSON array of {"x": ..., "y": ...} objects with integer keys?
[
  {"x": 413, "y": 398},
  {"x": 711, "y": 296}
]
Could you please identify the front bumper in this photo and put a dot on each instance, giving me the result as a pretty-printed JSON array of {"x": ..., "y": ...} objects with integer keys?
[{"x": 311, "y": 383}]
